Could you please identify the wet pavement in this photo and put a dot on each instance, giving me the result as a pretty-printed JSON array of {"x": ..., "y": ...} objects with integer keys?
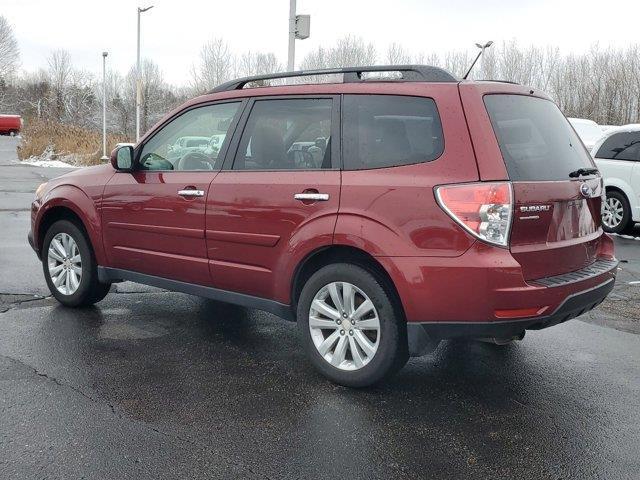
[{"x": 152, "y": 384}]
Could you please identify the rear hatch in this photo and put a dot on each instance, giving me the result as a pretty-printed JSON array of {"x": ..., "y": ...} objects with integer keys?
[{"x": 556, "y": 225}]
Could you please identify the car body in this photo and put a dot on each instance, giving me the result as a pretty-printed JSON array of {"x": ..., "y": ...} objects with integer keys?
[
  {"x": 435, "y": 209},
  {"x": 588, "y": 131},
  {"x": 617, "y": 156},
  {"x": 10, "y": 124}
]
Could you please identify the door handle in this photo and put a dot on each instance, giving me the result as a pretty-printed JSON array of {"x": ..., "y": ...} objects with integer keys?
[
  {"x": 191, "y": 193},
  {"x": 313, "y": 197}
]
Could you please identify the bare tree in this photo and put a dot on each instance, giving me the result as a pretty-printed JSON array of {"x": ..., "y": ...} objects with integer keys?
[
  {"x": 157, "y": 97},
  {"x": 348, "y": 51},
  {"x": 60, "y": 75},
  {"x": 251, "y": 63},
  {"x": 217, "y": 65},
  {"x": 397, "y": 55},
  {"x": 9, "y": 53},
  {"x": 602, "y": 84}
]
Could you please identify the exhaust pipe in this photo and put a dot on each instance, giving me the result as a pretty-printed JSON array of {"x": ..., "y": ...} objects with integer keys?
[{"x": 503, "y": 341}]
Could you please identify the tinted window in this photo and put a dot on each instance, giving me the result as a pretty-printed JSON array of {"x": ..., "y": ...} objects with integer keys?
[
  {"x": 621, "y": 146},
  {"x": 536, "y": 140},
  {"x": 388, "y": 131},
  {"x": 286, "y": 135},
  {"x": 185, "y": 143}
]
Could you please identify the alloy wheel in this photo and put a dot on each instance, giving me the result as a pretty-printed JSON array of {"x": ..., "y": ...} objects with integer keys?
[
  {"x": 612, "y": 212},
  {"x": 344, "y": 326},
  {"x": 65, "y": 263}
]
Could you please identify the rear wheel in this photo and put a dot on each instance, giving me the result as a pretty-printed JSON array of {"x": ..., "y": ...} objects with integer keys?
[
  {"x": 350, "y": 329},
  {"x": 69, "y": 266},
  {"x": 616, "y": 213}
]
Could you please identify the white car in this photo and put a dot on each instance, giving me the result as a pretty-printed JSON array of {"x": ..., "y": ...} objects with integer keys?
[
  {"x": 588, "y": 131},
  {"x": 617, "y": 156}
]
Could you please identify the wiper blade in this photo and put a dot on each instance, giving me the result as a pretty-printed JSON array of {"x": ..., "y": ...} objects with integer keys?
[{"x": 583, "y": 171}]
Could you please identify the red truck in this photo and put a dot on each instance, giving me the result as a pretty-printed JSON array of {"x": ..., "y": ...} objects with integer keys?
[{"x": 10, "y": 124}]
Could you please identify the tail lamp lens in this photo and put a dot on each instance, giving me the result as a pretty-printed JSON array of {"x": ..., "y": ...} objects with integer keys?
[{"x": 483, "y": 209}]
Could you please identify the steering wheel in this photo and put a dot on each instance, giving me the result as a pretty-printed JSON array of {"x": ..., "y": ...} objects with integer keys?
[{"x": 194, "y": 161}]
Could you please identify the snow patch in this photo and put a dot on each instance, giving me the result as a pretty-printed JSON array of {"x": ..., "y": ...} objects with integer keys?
[
  {"x": 36, "y": 162},
  {"x": 628, "y": 237},
  {"x": 50, "y": 159}
]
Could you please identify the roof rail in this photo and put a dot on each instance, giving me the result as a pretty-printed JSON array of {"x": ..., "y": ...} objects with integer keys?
[
  {"x": 410, "y": 73},
  {"x": 496, "y": 80}
]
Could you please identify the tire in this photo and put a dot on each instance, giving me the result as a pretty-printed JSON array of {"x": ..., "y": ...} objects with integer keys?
[
  {"x": 616, "y": 209},
  {"x": 86, "y": 290},
  {"x": 390, "y": 339}
]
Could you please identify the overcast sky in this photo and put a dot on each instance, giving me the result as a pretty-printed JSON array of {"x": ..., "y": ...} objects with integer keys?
[{"x": 174, "y": 31}]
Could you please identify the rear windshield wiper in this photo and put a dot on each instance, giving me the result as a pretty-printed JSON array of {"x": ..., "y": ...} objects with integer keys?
[{"x": 584, "y": 171}]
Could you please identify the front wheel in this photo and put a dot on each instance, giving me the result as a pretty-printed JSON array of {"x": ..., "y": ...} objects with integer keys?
[
  {"x": 351, "y": 331},
  {"x": 69, "y": 266}
]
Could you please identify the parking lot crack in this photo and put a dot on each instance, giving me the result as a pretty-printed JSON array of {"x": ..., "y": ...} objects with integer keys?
[
  {"x": 9, "y": 301},
  {"x": 58, "y": 382},
  {"x": 121, "y": 416}
]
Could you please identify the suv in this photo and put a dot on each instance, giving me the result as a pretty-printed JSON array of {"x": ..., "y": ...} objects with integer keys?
[
  {"x": 617, "y": 155},
  {"x": 436, "y": 208}
]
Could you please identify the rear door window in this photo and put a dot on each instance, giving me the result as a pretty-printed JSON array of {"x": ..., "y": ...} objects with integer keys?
[
  {"x": 621, "y": 146},
  {"x": 536, "y": 140},
  {"x": 389, "y": 131}
]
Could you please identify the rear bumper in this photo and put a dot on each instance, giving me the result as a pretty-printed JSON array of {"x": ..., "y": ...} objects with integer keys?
[
  {"x": 573, "y": 306},
  {"x": 484, "y": 293}
]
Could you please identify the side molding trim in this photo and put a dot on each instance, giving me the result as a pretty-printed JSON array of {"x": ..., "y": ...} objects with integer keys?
[{"x": 107, "y": 274}]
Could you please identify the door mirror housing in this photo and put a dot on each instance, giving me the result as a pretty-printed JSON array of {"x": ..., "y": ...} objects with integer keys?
[{"x": 122, "y": 158}]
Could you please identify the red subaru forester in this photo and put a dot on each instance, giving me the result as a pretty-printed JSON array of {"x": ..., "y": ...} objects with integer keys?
[{"x": 384, "y": 212}]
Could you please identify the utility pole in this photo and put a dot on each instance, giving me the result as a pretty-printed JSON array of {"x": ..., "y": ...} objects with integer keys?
[
  {"x": 138, "y": 79},
  {"x": 104, "y": 105},
  {"x": 298, "y": 29},
  {"x": 292, "y": 36}
]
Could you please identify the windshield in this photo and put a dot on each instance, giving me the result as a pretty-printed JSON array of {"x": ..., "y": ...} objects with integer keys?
[{"x": 536, "y": 140}]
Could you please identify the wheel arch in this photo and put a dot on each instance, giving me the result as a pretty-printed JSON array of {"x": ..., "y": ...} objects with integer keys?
[
  {"x": 615, "y": 188},
  {"x": 337, "y": 253},
  {"x": 71, "y": 203},
  {"x": 618, "y": 185}
]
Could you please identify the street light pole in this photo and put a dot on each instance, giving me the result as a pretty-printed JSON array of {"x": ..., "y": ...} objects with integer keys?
[
  {"x": 104, "y": 105},
  {"x": 482, "y": 48},
  {"x": 292, "y": 36},
  {"x": 138, "y": 80}
]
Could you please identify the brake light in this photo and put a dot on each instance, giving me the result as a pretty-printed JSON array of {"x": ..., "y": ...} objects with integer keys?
[{"x": 483, "y": 209}]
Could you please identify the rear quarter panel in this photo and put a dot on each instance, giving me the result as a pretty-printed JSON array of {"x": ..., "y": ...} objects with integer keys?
[{"x": 393, "y": 211}]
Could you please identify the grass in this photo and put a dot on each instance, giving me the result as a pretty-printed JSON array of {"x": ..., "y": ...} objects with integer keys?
[{"x": 55, "y": 141}]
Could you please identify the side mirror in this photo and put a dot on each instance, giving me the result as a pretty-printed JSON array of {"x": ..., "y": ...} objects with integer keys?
[{"x": 122, "y": 158}]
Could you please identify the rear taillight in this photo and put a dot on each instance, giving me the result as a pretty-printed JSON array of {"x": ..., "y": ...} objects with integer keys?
[{"x": 483, "y": 209}]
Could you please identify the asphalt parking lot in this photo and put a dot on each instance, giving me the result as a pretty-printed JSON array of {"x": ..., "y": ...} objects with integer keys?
[{"x": 152, "y": 384}]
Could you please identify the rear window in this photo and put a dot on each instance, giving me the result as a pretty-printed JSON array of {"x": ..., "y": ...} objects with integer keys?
[
  {"x": 621, "y": 146},
  {"x": 389, "y": 131},
  {"x": 536, "y": 140}
]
